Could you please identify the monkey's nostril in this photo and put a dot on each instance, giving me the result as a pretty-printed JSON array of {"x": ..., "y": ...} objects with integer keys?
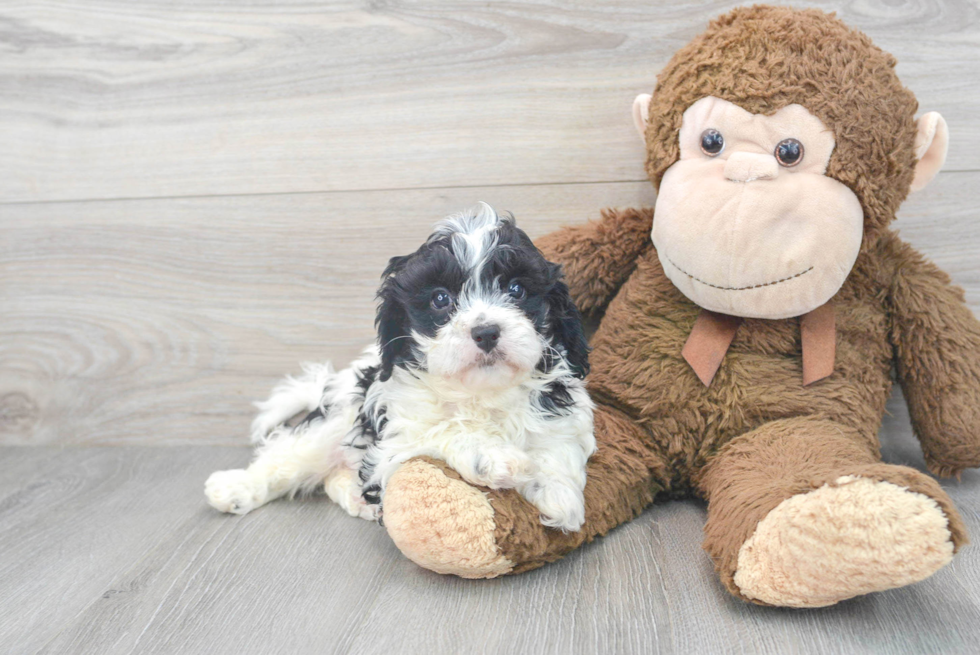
[{"x": 486, "y": 336}]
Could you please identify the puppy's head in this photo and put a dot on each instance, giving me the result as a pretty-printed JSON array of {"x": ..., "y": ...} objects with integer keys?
[{"x": 478, "y": 305}]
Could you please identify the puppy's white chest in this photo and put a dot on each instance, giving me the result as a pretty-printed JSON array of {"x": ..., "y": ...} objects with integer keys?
[{"x": 443, "y": 422}]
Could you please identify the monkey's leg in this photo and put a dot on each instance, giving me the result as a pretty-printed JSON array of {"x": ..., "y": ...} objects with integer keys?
[
  {"x": 446, "y": 525},
  {"x": 802, "y": 513}
]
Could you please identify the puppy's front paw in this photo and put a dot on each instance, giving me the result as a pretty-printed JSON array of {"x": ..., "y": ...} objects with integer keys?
[
  {"x": 343, "y": 489},
  {"x": 234, "y": 491},
  {"x": 501, "y": 468},
  {"x": 369, "y": 512},
  {"x": 562, "y": 505}
]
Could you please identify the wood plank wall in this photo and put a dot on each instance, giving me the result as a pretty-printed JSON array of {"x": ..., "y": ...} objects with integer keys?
[{"x": 195, "y": 196}]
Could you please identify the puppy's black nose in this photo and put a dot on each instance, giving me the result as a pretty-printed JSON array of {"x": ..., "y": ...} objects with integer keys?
[{"x": 486, "y": 336}]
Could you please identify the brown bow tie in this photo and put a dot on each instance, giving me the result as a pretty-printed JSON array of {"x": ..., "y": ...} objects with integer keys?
[{"x": 713, "y": 333}]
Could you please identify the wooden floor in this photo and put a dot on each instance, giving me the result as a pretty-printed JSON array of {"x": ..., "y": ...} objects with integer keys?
[
  {"x": 112, "y": 550},
  {"x": 196, "y": 196}
]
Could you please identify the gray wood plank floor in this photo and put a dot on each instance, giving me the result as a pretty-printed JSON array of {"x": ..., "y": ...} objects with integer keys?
[
  {"x": 113, "y": 550},
  {"x": 196, "y": 196}
]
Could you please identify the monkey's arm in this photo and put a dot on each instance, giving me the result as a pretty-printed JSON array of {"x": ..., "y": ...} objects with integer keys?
[
  {"x": 598, "y": 257},
  {"x": 936, "y": 340}
]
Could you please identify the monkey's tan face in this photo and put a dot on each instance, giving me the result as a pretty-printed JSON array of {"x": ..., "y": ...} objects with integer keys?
[{"x": 747, "y": 222}]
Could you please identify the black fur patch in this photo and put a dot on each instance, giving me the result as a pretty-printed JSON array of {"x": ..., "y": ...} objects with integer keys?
[
  {"x": 368, "y": 427},
  {"x": 547, "y": 303},
  {"x": 557, "y": 401},
  {"x": 316, "y": 415},
  {"x": 365, "y": 378},
  {"x": 406, "y": 301},
  {"x": 372, "y": 494}
]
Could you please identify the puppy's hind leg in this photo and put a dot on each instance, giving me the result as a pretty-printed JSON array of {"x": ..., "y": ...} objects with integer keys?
[
  {"x": 283, "y": 465},
  {"x": 289, "y": 460}
]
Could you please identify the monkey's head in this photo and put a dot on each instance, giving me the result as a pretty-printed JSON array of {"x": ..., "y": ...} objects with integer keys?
[{"x": 781, "y": 142}]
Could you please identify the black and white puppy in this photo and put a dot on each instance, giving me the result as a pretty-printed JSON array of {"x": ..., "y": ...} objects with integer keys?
[{"x": 479, "y": 362}]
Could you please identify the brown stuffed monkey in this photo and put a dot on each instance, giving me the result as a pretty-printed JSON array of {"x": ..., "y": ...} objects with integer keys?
[{"x": 750, "y": 324}]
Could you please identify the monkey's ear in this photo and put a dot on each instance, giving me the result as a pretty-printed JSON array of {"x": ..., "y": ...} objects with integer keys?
[
  {"x": 931, "y": 143},
  {"x": 641, "y": 113}
]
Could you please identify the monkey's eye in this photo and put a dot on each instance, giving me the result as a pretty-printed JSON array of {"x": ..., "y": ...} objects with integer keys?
[
  {"x": 516, "y": 290},
  {"x": 441, "y": 299},
  {"x": 789, "y": 152},
  {"x": 712, "y": 142}
]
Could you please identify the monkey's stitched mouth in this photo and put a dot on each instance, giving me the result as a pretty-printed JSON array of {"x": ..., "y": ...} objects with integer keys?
[{"x": 754, "y": 286}]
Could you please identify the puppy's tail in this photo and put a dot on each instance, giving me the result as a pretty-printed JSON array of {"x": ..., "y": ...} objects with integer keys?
[{"x": 292, "y": 396}]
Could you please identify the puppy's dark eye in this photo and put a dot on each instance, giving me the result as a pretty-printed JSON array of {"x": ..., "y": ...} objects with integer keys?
[
  {"x": 712, "y": 142},
  {"x": 789, "y": 152},
  {"x": 516, "y": 290},
  {"x": 441, "y": 299}
]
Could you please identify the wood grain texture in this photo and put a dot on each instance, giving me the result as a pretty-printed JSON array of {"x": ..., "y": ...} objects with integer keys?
[
  {"x": 116, "y": 98},
  {"x": 160, "y": 321},
  {"x": 72, "y": 519},
  {"x": 113, "y": 550},
  {"x": 276, "y": 155},
  {"x": 319, "y": 570}
]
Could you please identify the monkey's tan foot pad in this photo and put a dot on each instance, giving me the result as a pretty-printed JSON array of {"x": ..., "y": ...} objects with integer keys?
[
  {"x": 442, "y": 523},
  {"x": 843, "y": 540}
]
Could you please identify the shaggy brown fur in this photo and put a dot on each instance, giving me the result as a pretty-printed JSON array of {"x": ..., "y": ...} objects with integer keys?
[{"x": 755, "y": 436}]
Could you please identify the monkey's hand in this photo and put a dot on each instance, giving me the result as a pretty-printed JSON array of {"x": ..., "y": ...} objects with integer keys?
[
  {"x": 598, "y": 256},
  {"x": 937, "y": 358}
]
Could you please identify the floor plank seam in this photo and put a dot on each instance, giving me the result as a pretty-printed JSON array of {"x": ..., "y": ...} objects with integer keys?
[
  {"x": 147, "y": 554},
  {"x": 191, "y": 562}
]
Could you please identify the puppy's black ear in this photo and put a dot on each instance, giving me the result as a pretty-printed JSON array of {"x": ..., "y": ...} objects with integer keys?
[
  {"x": 565, "y": 329},
  {"x": 395, "y": 264},
  {"x": 391, "y": 321}
]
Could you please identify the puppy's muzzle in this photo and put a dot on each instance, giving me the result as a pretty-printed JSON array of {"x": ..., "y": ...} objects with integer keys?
[{"x": 486, "y": 336}]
